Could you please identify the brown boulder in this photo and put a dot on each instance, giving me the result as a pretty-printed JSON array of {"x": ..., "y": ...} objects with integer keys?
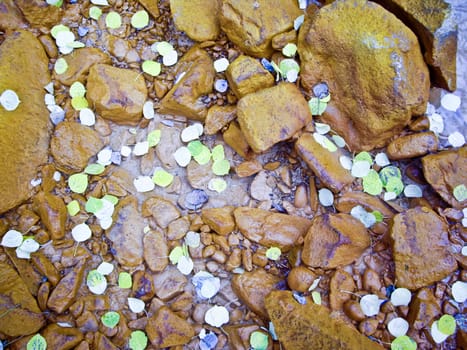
[
  {"x": 383, "y": 90},
  {"x": 340, "y": 287},
  {"x": 272, "y": 115},
  {"x": 312, "y": 326},
  {"x": 234, "y": 137},
  {"x": 271, "y": 229},
  {"x": 198, "y": 77},
  {"x": 334, "y": 240},
  {"x": 118, "y": 94},
  {"x": 53, "y": 213},
  {"x": 300, "y": 278},
  {"x": 220, "y": 220},
  {"x": 166, "y": 329},
  {"x": 39, "y": 13},
  {"x": 24, "y": 132},
  {"x": 413, "y": 145},
  {"x": 445, "y": 171},
  {"x": 63, "y": 338},
  {"x": 251, "y": 26},
  {"x": 72, "y": 145},
  {"x": 421, "y": 248}
]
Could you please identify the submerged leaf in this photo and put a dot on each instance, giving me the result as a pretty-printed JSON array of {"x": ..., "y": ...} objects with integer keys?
[
  {"x": 110, "y": 319},
  {"x": 259, "y": 340},
  {"x": 37, "y": 342},
  {"x": 138, "y": 340},
  {"x": 140, "y": 19},
  {"x": 78, "y": 183}
]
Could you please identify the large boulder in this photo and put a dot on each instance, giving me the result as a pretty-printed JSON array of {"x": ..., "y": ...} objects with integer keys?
[
  {"x": 39, "y": 13},
  {"x": 24, "y": 132},
  {"x": 252, "y": 25},
  {"x": 373, "y": 66}
]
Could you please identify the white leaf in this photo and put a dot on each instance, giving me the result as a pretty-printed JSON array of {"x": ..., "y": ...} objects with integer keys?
[
  {"x": 338, "y": 140},
  {"x": 382, "y": 159},
  {"x": 436, "y": 334},
  {"x": 65, "y": 49},
  {"x": 221, "y": 64},
  {"x": 297, "y": 23},
  {"x": 413, "y": 191},
  {"x": 325, "y": 196},
  {"x": 436, "y": 123},
  {"x": 221, "y": 85},
  {"x": 105, "y": 268},
  {"x": 206, "y": 284},
  {"x": 292, "y": 76},
  {"x": 182, "y": 156},
  {"x": 97, "y": 284},
  {"x": 148, "y": 110},
  {"x": 49, "y": 88},
  {"x": 64, "y": 38},
  {"x": 464, "y": 251},
  {"x": 370, "y": 304},
  {"x": 217, "y": 316},
  {"x": 143, "y": 184},
  {"x": 104, "y": 156},
  {"x": 81, "y": 232},
  {"x": 35, "y": 182},
  {"x": 191, "y": 132},
  {"x": 29, "y": 245},
  {"x": 64, "y": 324},
  {"x": 105, "y": 222},
  {"x": 401, "y": 297},
  {"x": 185, "y": 265},
  {"x": 451, "y": 102},
  {"x": 456, "y": 139},
  {"x": 170, "y": 59},
  {"x": 87, "y": 117},
  {"x": 360, "y": 168},
  {"x": 22, "y": 254},
  {"x": 322, "y": 128},
  {"x": 12, "y": 239},
  {"x": 192, "y": 239},
  {"x": 302, "y": 4},
  {"x": 49, "y": 99},
  {"x": 389, "y": 196},
  {"x": 314, "y": 284},
  {"x": 100, "y": 2},
  {"x": 57, "y": 176},
  {"x": 366, "y": 218},
  {"x": 125, "y": 151},
  {"x": 141, "y": 148},
  {"x": 136, "y": 305},
  {"x": 106, "y": 211},
  {"x": 9, "y": 100},
  {"x": 346, "y": 162},
  {"x": 398, "y": 326},
  {"x": 459, "y": 291}
]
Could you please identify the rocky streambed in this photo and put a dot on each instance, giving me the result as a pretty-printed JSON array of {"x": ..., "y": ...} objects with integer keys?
[{"x": 228, "y": 174}]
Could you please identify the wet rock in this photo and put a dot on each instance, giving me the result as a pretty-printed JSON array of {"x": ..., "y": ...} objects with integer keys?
[
  {"x": 248, "y": 168},
  {"x": 166, "y": 329},
  {"x": 72, "y": 145},
  {"x": 169, "y": 283},
  {"x": 349, "y": 200},
  {"x": 234, "y": 137},
  {"x": 49, "y": 45},
  {"x": 446, "y": 170},
  {"x": 162, "y": 210},
  {"x": 334, "y": 240},
  {"x": 340, "y": 287},
  {"x": 324, "y": 164},
  {"x": 312, "y": 326},
  {"x": 437, "y": 32},
  {"x": 24, "y": 132},
  {"x": 272, "y": 115},
  {"x": 62, "y": 337},
  {"x": 252, "y": 287},
  {"x": 19, "y": 310},
  {"x": 246, "y": 75},
  {"x": 126, "y": 234},
  {"x": 168, "y": 144},
  {"x": 52, "y": 212},
  {"x": 143, "y": 287},
  {"x": 195, "y": 199},
  {"x": 252, "y": 26},
  {"x": 300, "y": 278},
  {"x": 178, "y": 228},
  {"x": 218, "y": 117},
  {"x": 198, "y": 19},
  {"x": 12, "y": 18},
  {"x": 199, "y": 175},
  {"x": 64, "y": 294},
  {"x": 259, "y": 187},
  {"x": 220, "y": 220},
  {"x": 87, "y": 322},
  {"x": 79, "y": 64},
  {"x": 45, "y": 267},
  {"x": 118, "y": 94},
  {"x": 185, "y": 96},
  {"x": 151, "y": 7},
  {"x": 39, "y": 13},
  {"x": 271, "y": 229},
  {"x": 239, "y": 336},
  {"x": 282, "y": 39},
  {"x": 420, "y": 258},
  {"x": 413, "y": 145},
  {"x": 424, "y": 309},
  {"x": 118, "y": 47},
  {"x": 102, "y": 342},
  {"x": 26, "y": 271},
  {"x": 378, "y": 100}
]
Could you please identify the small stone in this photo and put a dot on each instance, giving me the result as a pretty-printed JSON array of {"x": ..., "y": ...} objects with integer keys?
[
  {"x": 167, "y": 329},
  {"x": 411, "y": 146},
  {"x": 156, "y": 251},
  {"x": 220, "y": 220},
  {"x": 162, "y": 210},
  {"x": 169, "y": 283}
]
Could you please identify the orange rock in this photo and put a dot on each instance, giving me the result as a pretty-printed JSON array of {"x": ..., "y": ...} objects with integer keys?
[
  {"x": 11, "y": 18},
  {"x": 218, "y": 117},
  {"x": 62, "y": 337},
  {"x": 39, "y": 13},
  {"x": 413, "y": 145},
  {"x": 300, "y": 278},
  {"x": 239, "y": 336},
  {"x": 220, "y": 220},
  {"x": 162, "y": 210},
  {"x": 151, "y": 7},
  {"x": 166, "y": 329},
  {"x": 156, "y": 251},
  {"x": 169, "y": 283},
  {"x": 424, "y": 309},
  {"x": 348, "y": 200},
  {"x": 234, "y": 137},
  {"x": 248, "y": 168},
  {"x": 340, "y": 285},
  {"x": 52, "y": 212}
]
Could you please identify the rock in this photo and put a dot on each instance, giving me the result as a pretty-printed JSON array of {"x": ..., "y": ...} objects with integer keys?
[
  {"x": 340, "y": 287},
  {"x": 424, "y": 309},
  {"x": 334, "y": 240},
  {"x": 252, "y": 287},
  {"x": 178, "y": 228},
  {"x": 12, "y": 19},
  {"x": 72, "y": 145},
  {"x": 197, "y": 18},
  {"x": 420, "y": 258},
  {"x": 167, "y": 329},
  {"x": 246, "y": 75},
  {"x": 282, "y": 39},
  {"x": 64, "y": 294},
  {"x": 87, "y": 322},
  {"x": 218, "y": 117},
  {"x": 169, "y": 283},
  {"x": 118, "y": 94},
  {"x": 170, "y": 141},
  {"x": 24, "y": 132},
  {"x": 220, "y": 220},
  {"x": 79, "y": 64},
  {"x": 52, "y": 212},
  {"x": 312, "y": 326},
  {"x": 252, "y": 26},
  {"x": 45, "y": 267},
  {"x": 259, "y": 187},
  {"x": 413, "y": 145},
  {"x": 49, "y": 45},
  {"x": 378, "y": 100},
  {"x": 26, "y": 271},
  {"x": 118, "y": 47},
  {"x": 39, "y": 13},
  {"x": 102, "y": 342},
  {"x": 349, "y": 200},
  {"x": 300, "y": 278},
  {"x": 446, "y": 170},
  {"x": 199, "y": 175},
  {"x": 436, "y": 30},
  {"x": 234, "y": 137},
  {"x": 162, "y": 210},
  {"x": 272, "y": 115},
  {"x": 271, "y": 229},
  {"x": 19, "y": 310},
  {"x": 62, "y": 337},
  {"x": 126, "y": 234},
  {"x": 239, "y": 336},
  {"x": 156, "y": 251},
  {"x": 185, "y": 96},
  {"x": 248, "y": 168},
  {"x": 324, "y": 164},
  {"x": 151, "y": 7}
]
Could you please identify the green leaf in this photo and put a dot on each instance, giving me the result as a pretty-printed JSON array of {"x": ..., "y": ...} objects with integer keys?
[
  {"x": 221, "y": 167},
  {"x": 164, "y": 48},
  {"x": 259, "y": 340},
  {"x": 204, "y": 156},
  {"x": 113, "y": 20},
  {"x": 217, "y": 153},
  {"x": 378, "y": 216},
  {"x": 316, "y": 296},
  {"x": 77, "y": 89},
  {"x": 95, "y": 278},
  {"x": 326, "y": 99},
  {"x": 60, "y": 66},
  {"x": 218, "y": 185},
  {"x": 57, "y": 3},
  {"x": 152, "y": 68},
  {"x": 94, "y": 169},
  {"x": 162, "y": 178},
  {"x": 317, "y": 107},
  {"x": 289, "y": 50},
  {"x": 138, "y": 340},
  {"x": 273, "y": 253},
  {"x": 372, "y": 183},
  {"x": 176, "y": 254},
  {"x": 140, "y": 19},
  {"x": 364, "y": 156},
  {"x": 195, "y": 147},
  {"x": 287, "y": 65},
  {"x": 93, "y": 205},
  {"x": 460, "y": 193},
  {"x": 447, "y": 324},
  {"x": 154, "y": 137},
  {"x": 37, "y": 342},
  {"x": 329, "y": 145},
  {"x": 95, "y": 12},
  {"x": 394, "y": 184},
  {"x": 73, "y": 207},
  {"x": 111, "y": 199},
  {"x": 110, "y": 319},
  {"x": 57, "y": 29},
  {"x": 78, "y": 103},
  {"x": 124, "y": 280},
  {"x": 78, "y": 183},
  {"x": 403, "y": 342},
  {"x": 390, "y": 171}
]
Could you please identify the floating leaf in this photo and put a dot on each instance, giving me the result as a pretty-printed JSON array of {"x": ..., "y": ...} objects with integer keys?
[
  {"x": 316, "y": 106},
  {"x": 378, "y": 216},
  {"x": 143, "y": 184},
  {"x": 403, "y": 343},
  {"x": 73, "y": 207},
  {"x": 57, "y": 29},
  {"x": 273, "y": 253},
  {"x": 153, "y": 138},
  {"x": 372, "y": 183},
  {"x": 366, "y": 218},
  {"x": 447, "y": 324},
  {"x": 218, "y": 153},
  {"x": 360, "y": 168},
  {"x": 436, "y": 123},
  {"x": 401, "y": 297},
  {"x": 221, "y": 85},
  {"x": 87, "y": 117},
  {"x": 288, "y": 65},
  {"x": 322, "y": 128},
  {"x": 325, "y": 196},
  {"x": 259, "y": 340},
  {"x": 364, "y": 156},
  {"x": 394, "y": 184},
  {"x": 141, "y": 148},
  {"x": 398, "y": 327},
  {"x": 382, "y": 159},
  {"x": 57, "y": 3},
  {"x": 218, "y": 185},
  {"x": 170, "y": 58},
  {"x": 29, "y": 245},
  {"x": 456, "y": 139},
  {"x": 105, "y": 268},
  {"x": 370, "y": 304},
  {"x": 140, "y": 19},
  {"x": 176, "y": 254},
  {"x": 346, "y": 162},
  {"x": 221, "y": 167},
  {"x": 111, "y": 199},
  {"x": 316, "y": 296},
  {"x": 9, "y": 100},
  {"x": 221, "y": 64},
  {"x": 124, "y": 280},
  {"x": 148, "y": 110},
  {"x": 314, "y": 284},
  {"x": 64, "y": 39},
  {"x": 195, "y": 147},
  {"x": 81, "y": 232},
  {"x": 206, "y": 285},
  {"x": 136, "y": 305},
  {"x": 100, "y": 2},
  {"x": 37, "y": 342},
  {"x": 289, "y": 50},
  {"x": 185, "y": 265},
  {"x": 388, "y": 196},
  {"x": 78, "y": 103},
  {"x": 138, "y": 340},
  {"x": 451, "y": 102},
  {"x": 77, "y": 89},
  {"x": 192, "y": 239},
  {"x": 152, "y": 68},
  {"x": 390, "y": 171},
  {"x": 216, "y": 316},
  {"x": 436, "y": 334},
  {"x": 339, "y": 141},
  {"x": 96, "y": 282},
  {"x": 329, "y": 145},
  {"x": 95, "y": 12},
  {"x": 182, "y": 156},
  {"x": 204, "y": 156},
  {"x": 93, "y": 205},
  {"x": 125, "y": 151},
  {"x": 12, "y": 239},
  {"x": 60, "y": 66},
  {"x": 413, "y": 191},
  {"x": 460, "y": 193},
  {"x": 298, "y": 22},
  {"x": 94, "y": 169},
  {"x": 459, "y": 291},
  {"x": 191, "y": 132},
  {"x": 162, "y": 47},
  {"x": 110, "y": 319},
  {"x": 113, "y": 20},
  {"x": 162, "y": 178},
  {"x": 78, "y": 183}
]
